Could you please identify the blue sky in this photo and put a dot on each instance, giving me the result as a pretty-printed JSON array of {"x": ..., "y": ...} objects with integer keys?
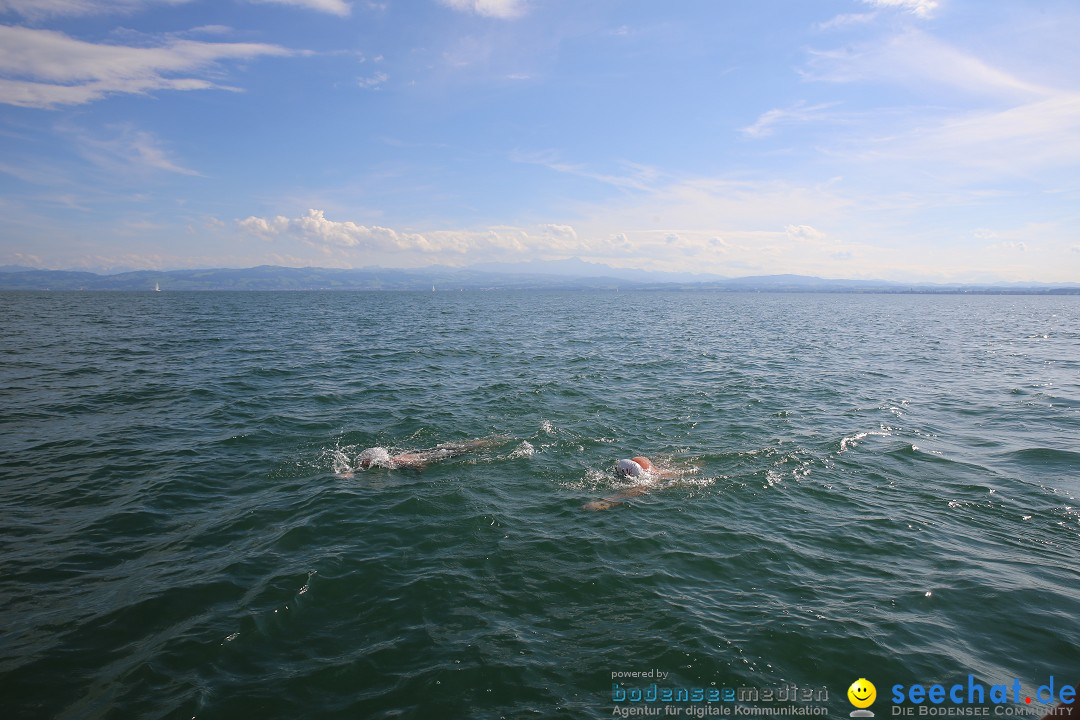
[{"x": 894, "y": 139}]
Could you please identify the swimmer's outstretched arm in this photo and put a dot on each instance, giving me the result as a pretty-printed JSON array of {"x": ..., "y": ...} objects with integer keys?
[
  {"x": 617, "y": 499},
  {"x": 410, "y": 460},
  {"x": 417, "y": 459}
]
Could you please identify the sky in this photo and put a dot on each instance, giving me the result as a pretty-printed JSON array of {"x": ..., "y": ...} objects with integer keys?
[{"x": 922, "y": 140}]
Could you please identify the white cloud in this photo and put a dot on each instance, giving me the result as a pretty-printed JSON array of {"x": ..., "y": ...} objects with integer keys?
[
  {"x": 39, "y": 9},
  {"x": 333, "y": 7},
  {"x": 1018, "y": 246},
  {"x": 918, "y": 60},
  {"x": 804, "y": 233},
  {"x": 489, "y": 8},
  {"x": 27, "y": 259},
  {"x": 1035, "y": 243},
  {"x": 797, "y": 113},
  {"x": 724, "y": 226},
  {"x": 35, "y": 173},
  {"x": 920, "y": 8},
  {"x": 565, "y": 231},
  {"x": 356, "y": 244},
  {"x": 718, "y": 244},
  {"x": 45, "y": 68},
  {"x": 846, "y": 20},
  {"x": 348, "y": 238},
  {"x": 315, "y": 229},
  {"x": 373, "y": 82},
  {"x": 976, "y": 121},
  {"x": 469, "y": 52},
  {"x": 128, "y": 150},
  {"x": 719, "y": 207},
  {"x": 983, "y": 145},
  {"x": 639, "y": 177},
  {"x": 210, "y": 30},
  {"x": 834, "y": 229}
]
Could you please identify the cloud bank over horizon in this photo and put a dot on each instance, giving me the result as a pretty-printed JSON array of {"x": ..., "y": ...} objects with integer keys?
[{"x": 923, "y": 140}]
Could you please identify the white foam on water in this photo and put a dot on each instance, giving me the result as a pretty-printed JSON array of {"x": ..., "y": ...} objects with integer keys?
[
  {"x": 340, "y": 462},
  {"x": 592, "y": 480},
  {"x": 691, "y": 480},
  {"x": 853, "y": 440},
  {"x": 525, "y": 449}
]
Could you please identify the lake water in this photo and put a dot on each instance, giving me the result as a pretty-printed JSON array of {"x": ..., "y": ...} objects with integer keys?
[{"x": 871, "y": 486}]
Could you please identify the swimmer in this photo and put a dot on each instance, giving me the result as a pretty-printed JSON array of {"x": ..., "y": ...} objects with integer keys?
[
  {"x": 633, "y": 467},
  {"x": 418, "y": 459},
  {"x": 641, "y": 468}
]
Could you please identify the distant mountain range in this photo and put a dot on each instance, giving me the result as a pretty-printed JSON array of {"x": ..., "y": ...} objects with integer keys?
[{"x": 573, "y": 274}]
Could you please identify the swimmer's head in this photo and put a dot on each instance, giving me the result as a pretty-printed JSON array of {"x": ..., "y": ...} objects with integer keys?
[
  {"x": 629, "y": 468},
  {"x": 373, "y": 456}
]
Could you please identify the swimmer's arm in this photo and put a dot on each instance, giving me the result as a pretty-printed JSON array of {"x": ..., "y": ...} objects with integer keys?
[
  {"x": 411, "y": 460},
  {"x": 613, "y": 500},
  {"x": 669, "y": 473}
]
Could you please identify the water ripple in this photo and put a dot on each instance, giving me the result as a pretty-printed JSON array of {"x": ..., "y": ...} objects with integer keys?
[{"x": 886, "y": 481}]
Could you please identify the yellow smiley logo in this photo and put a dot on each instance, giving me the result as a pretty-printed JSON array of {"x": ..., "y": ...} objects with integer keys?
[{"x": 862, "y": 693}]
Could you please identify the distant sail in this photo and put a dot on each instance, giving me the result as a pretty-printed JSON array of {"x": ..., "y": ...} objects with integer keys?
[{"x": 157, "y": 287}]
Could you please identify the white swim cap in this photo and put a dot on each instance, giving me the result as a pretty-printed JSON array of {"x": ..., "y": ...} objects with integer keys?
[
  {"x": 373, "y": 456},
  {"x": 629, "y": 468}
]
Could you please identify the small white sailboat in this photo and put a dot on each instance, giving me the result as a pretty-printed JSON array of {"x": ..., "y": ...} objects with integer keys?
[
  {"x": 157, "y": 287},
  {"x": 432, "y": 288}
]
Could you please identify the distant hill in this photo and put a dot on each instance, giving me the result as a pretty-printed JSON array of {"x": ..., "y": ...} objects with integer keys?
[
  {"x": 576, "y": 267},
  {"x": 571, "y": 274},
  {"x": 268, "y": 277}
]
